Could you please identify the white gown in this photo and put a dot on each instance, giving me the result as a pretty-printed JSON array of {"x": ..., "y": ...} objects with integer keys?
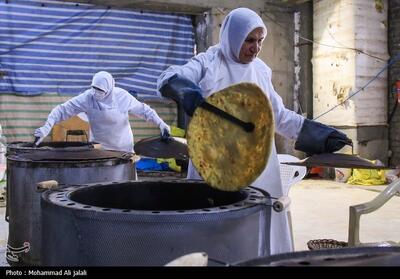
[
  {"x": 108, "y": 118},
  {"x": 215, "y": 70}
]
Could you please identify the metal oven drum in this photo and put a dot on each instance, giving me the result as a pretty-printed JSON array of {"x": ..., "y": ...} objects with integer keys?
[
  {"x": 67, "y": 162},
  {"x": 149, "y": 223}
]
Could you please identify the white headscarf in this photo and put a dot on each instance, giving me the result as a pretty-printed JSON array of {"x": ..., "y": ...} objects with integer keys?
[
  {"x": 235, "y": 28},
  {"x": 104, "y": 81}
]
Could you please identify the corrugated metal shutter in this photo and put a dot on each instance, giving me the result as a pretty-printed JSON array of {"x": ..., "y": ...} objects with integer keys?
[{"x": 53, "y": 48}]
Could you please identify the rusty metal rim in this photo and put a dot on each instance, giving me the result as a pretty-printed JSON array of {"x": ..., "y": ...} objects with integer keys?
[
  {"x": 29, "y": 146},
  {"x": 15, "y": 160}
]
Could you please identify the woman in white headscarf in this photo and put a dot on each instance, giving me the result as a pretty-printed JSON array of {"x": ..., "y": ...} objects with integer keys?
[
  {"x": 107, "y": 108},
  {"x": 234, "y": 60}
]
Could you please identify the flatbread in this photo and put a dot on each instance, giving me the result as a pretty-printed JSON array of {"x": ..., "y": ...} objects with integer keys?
[{"x": 227, "y": 157}]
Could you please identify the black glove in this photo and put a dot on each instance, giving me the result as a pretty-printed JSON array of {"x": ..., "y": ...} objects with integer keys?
[
  {"x": 316, "y": 138},
  {"x": 184, "y": 92},
  {"x": 165, "y": 136}
]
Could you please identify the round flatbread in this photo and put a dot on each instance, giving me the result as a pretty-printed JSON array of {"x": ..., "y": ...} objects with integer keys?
[{"x": 227, "y": 157}]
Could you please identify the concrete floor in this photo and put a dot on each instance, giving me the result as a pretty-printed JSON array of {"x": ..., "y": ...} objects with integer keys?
[{"x": 320, "y": 210}]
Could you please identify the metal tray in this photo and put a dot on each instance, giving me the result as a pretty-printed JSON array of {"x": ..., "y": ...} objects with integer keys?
[
  {"x": 336, "y": 160},
  {"x": 156, "y": 147}
]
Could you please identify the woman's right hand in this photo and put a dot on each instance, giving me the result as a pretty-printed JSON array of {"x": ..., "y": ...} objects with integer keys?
[
  {"x": 41, "y": 133},
  {"x": 184, "y": 92}
]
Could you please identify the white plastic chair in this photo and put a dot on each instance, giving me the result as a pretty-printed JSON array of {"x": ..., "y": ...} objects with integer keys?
[
  {"x": 289, "y": 176},
  {"x": 357, "y": 210}
]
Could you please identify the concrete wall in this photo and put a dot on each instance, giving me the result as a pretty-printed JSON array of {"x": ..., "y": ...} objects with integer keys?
[
  {"x": 394, "y": 75},
  {"x": 357, "y": 30}
]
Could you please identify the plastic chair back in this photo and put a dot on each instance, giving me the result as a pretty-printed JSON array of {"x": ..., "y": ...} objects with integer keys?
[
  {"x": 357, "y": 210},
  {"x": 290, "y": 174}
]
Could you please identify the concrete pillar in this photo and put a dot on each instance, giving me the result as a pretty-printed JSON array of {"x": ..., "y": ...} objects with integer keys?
[{"x": 350, "y": 49}]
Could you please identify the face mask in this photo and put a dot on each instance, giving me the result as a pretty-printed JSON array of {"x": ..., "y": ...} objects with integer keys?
[{"x": 98, "y": 94}]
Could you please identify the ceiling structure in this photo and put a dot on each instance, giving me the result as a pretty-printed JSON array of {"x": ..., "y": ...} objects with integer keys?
[{"x": 187, "y": 6}]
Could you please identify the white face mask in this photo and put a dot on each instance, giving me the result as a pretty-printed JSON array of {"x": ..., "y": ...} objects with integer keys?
[{"x": 98, "y": 94}]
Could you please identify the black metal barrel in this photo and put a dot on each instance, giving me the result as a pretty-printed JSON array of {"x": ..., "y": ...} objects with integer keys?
[
  {"x": 149, "y": 223},
  {"x": 65, "y": 162}
]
